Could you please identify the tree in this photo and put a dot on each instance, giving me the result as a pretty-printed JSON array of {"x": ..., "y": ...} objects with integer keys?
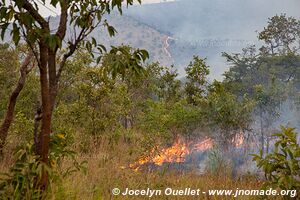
[
  {"x": 282, "y": 35},
  {"x": 169, "y": 85},
  {"x": 197, "y": 72},
  {"x": 268, "y": 102},
  {"x": 225, "y": 113},
  {"x": 24, "y": 19},
  {"x": 270, "y": 75},
  {"x": 24, "y": 70}
]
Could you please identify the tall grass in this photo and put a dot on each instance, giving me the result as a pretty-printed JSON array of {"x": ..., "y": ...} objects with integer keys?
[{"x": 108, "y": 167}]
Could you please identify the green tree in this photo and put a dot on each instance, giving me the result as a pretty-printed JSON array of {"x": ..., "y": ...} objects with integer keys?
[
  {"x": 270, "y": 75},
  {"x": 225, "y": 113},
  {"x": 268, "y": 103},
  {"x": 196, "y": 75},
  {"x": 169, "y": 88},
  {"x": 26, "y": 21},
  {"x": 282, "y": 35}
]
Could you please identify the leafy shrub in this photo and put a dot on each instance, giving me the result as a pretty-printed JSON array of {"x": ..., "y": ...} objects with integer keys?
[
  {"x": 282, "y": 166},
  {"x": 21, "y": 182}
]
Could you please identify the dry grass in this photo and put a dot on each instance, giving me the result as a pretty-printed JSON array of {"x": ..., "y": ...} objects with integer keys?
[
  {"x": 105, "y": 172},
  {"x": 107, "y": 168}
]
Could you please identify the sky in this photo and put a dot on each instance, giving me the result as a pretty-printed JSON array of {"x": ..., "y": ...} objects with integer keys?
[{"x": 48, "y": 10}]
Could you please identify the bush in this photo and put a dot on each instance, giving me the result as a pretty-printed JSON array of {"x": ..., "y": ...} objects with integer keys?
[
  {"x": 282, "y": 166},
  {"x": 21, "y": 182}
]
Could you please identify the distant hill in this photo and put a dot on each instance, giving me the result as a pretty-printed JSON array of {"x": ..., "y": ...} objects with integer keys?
[
  {"x": 136, "y": 34},
  {"x": 131, "y": 32},
  {"x": 212, "y": 19},
  {"x": 174, "y": 31},
  {"x": 209, "y": 27}
]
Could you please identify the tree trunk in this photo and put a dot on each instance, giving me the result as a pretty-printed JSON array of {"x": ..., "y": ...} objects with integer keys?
[
  {"x": 12, "y": 101},
  {"x": 44, "y": 137},
  {"x": 52, "y": 77},
  {"x": 268, "y": 145},
  {"x": 262, "y": 133}
]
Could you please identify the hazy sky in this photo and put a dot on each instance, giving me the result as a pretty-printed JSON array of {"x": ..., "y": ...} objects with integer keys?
[{"x": 48, "y": 10}]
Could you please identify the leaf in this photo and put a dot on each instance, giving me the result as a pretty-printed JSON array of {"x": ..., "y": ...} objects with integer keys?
[
  {"x": 111, "y": 30},
  {"x": 88, "y": 46},
  {"x": 16, "y": 34},
  {"x": 94, "y": 42},
  {"x": 3, "y": 11},
  {"x": 3, "y": 30},
  {"x": 98, "y": 59},
  {"x": 20, "y": 3},
  {"x": 54, "y": 3},
  {"x": 145, "y": 54},
  {"x": 101, "y": 48}
]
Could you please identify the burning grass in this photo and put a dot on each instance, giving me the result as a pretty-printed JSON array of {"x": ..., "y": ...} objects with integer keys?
[
  {"x": 105, "y": 171},
  {"x": 178, "y": 152}
]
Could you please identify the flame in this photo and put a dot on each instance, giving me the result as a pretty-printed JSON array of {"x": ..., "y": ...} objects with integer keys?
[
  {"x": 206, "y": 144},
  {"x": 238, "y": 140},
  {"x": 176, "y": 153},
  {"x": 179, "y": 150}
]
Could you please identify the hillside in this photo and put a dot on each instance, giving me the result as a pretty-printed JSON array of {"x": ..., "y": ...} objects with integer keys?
[
  {"x": 208, "y": 28},
  {"x": 137, "y": 34},
  {"x": 129, "y": 32},
  {"x": 174, "y": 31}
]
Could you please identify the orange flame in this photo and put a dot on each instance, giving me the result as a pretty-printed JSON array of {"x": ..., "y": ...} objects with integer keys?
[
  {"x": 176, "y": 153},
  {"x": 204, "y": 145},
  {"x": 238, "y": 140},
  {"x": 179, "y": 150}
]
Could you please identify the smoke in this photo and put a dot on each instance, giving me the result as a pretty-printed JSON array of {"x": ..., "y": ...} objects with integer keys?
[
  {"x": 288, "y": 115},
  {"x": 192, "y": 22}
]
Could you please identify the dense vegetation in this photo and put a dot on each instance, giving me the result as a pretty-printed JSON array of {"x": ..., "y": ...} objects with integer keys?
[{"x": 96, "y": 115}]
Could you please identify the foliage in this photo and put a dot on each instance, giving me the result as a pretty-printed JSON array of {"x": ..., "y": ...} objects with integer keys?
[
  {"x": 169, "y": 86},
  {"x": 282, "y": 167},
  {"x": 8, "y": 76},
  {"x": 268, "y": 102},
  {"x": 85, "y": 16},
  {"x": 268, "y": 75},
  {"x": 225, "y": 113},
  {"x": 113, "y": 102},
  {"x": 167, "y": 121},
  {"x": 21, "y": 182},
  {"x": 196, "y": 85},
  {"x": 26, "y": 21},
  {"x": 23, "y": 127},
  {"x": 282, "y": 35}
]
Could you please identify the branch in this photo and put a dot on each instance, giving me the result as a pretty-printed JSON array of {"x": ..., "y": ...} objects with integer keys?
[
  {"x": 61, "y": 32},
  {"x": 34, "y": 13},
  {"x": 72, "y": 48},
  {"x": 24, "y": 70},
  {"x": 31, "y": 46}
]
